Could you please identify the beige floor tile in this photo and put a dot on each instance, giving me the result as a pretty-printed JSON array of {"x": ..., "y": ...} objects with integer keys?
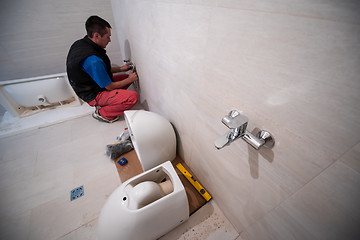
[
  {"x": 87, "y": 231},
  {"x": 39, "y": 168},
  {"x": 207, "y": 223},
  {"x": 60, "y": 216}
]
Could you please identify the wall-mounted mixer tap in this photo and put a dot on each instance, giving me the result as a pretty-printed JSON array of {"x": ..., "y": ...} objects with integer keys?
[{"x": 238, "y": 124}]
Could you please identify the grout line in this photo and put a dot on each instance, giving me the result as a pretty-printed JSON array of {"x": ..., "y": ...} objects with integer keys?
[
  {"x": 338, "y": 160},
  {"x": 77, "y": 228}
]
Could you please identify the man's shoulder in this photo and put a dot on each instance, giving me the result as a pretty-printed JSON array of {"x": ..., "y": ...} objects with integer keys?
[
  {"x": 80, "y": 43},
  {"x": 81, "y": 49},
  {"x": 92, "y": 60},
  {"x": 78, "y": 51}
]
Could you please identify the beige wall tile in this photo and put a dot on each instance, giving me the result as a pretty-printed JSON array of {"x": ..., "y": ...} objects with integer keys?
[
  {"x": 37, "y": 35},
  {"x": 291, "y": 68},
  {"x": 352, "y": 158},
  {"x": 324, "y": 209}
]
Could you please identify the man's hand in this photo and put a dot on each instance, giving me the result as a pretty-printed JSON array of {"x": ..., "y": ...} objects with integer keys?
[
  {"x": 120, "y": 84},
  {"x": 123, "y": 68},
  {"x": 133, "y": 76},
  {"x": 126, "y": 67}
]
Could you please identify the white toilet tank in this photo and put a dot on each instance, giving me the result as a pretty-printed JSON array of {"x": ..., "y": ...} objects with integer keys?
[{"x": 153, "y": 137}]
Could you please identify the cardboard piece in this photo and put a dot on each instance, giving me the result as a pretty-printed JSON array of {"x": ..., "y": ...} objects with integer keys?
[{"x": 133, "y": 168}]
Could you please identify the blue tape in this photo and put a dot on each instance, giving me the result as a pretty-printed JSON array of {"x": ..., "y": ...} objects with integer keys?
[{"x": 122, "y": 161}]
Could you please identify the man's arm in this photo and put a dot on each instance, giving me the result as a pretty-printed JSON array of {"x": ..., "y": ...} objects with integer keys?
[
  {"x": 123, "y": 68},
  {"x": 95, "y": 67},
  {"x": 120, "y": 84}
]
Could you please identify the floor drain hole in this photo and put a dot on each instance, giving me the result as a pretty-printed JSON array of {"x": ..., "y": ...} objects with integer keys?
[{"x": 76, "y": 193}]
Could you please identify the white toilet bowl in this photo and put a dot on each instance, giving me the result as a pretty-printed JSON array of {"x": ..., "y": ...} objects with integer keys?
[
  {"x": 150, "y": 204},
  {"x": 145, "y": 207}
]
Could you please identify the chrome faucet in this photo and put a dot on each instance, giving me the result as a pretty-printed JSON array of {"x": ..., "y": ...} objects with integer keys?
[{"x": 238, "y": 124}]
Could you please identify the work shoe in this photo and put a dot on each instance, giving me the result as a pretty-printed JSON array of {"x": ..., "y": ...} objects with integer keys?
[{"x": 97, "y": 116}]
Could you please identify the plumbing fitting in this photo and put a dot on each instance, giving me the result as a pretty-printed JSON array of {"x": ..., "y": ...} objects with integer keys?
[
  {"x": 132, "y": 66},
  {"x": 238, "y": 124}
]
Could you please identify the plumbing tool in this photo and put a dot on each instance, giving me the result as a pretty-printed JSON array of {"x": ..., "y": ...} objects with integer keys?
[
  {"x": 193, "y": 181},
  {"x": 136, "y": 83},
  {"x": 122, "y": 145},
  {"x": 132, "y": 67}
]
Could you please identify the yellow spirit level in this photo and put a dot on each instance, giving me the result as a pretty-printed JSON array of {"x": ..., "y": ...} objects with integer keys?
[{"x": 195, "y": 183}]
